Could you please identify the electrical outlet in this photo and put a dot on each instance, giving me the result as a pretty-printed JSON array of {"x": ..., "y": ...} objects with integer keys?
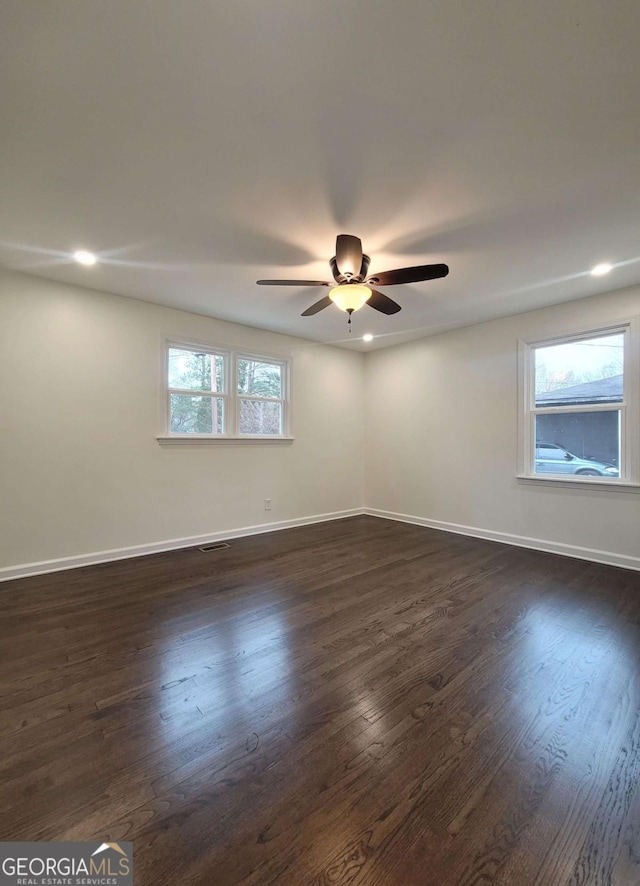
[{"x": 267, "y": 504}]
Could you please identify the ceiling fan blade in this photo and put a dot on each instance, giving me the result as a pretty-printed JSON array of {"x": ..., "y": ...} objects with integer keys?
[
  {"x": 318, "y": 306},
  {"x": 409, "y": 275},
  {"x": 383, "y": 303},
  {"x": 292, "y": 283},
  {"x": 348, "y": 255}
]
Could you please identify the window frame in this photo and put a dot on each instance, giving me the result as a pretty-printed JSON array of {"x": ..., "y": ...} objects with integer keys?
[
  {"x": 628, "y": 408},
  {"x": 230, "y": 395}
]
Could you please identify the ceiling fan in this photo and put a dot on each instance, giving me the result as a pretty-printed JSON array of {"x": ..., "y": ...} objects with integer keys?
[{"x": 353, "y": 289}]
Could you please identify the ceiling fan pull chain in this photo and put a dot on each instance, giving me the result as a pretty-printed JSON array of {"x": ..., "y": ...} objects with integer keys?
[{"x": 349, "y": 312}]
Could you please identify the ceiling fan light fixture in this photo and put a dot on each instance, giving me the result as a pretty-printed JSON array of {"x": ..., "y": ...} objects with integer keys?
[
  {"x": 350, "y": 267},
  {"x": 350, "y": 296}
]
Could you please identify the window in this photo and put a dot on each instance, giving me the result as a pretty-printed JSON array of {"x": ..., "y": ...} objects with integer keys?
[
  {"x": 220, "y": 394},
  {"x": 197, "y": 385},
  {"x": 580, "y": 407},
  {"x": 260, "y": 396}
]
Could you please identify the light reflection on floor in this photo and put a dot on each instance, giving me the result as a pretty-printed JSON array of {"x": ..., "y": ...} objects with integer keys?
[
  {"x": 225, "y": 677},
  {"x": 569, "y": 664}
]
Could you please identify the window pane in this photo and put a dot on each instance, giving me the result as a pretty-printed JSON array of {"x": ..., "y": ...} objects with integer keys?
[
  {"x": 195, "y": 371},
  {"x": 581, "y": 443},
  {"x": 580, "y": 372},
  {"x": 196, "y": 415},
  {"x": 259, "y": 379},
  {"x": 258, "y": 417}
]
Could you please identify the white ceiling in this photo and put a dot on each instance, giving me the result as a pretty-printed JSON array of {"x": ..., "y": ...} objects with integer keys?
[{"x": 198, "y": 146}]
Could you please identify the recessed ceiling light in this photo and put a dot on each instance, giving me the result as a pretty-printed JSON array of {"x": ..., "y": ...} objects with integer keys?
[
  {"x": 84, "y": 258},
  {"x": 367, "y": 337},
  {"x": 601, "y": 270}
]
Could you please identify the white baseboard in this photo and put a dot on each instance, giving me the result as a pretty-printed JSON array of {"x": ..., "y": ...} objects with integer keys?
[
  {"x": 521, "y": 541},
  {"x": 9, "y": 573},
  {"x": 609, "y": 558}
]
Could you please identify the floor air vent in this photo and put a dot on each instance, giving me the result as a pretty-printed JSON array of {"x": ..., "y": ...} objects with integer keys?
[{"x": 214, "y": 546}]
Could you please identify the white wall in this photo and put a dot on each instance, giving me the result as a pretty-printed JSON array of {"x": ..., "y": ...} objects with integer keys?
[
  {"x": 441, "y": 419},
  {"x": 81, "y": 470}
]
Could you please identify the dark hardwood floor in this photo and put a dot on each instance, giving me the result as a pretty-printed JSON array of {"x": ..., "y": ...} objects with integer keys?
[{"x": 358, "y": 702}]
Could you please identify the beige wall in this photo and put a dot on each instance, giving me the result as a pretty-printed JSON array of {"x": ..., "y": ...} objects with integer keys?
[
  {"x": 81, "y": 469},
  {"x": 441, "y": 419}
]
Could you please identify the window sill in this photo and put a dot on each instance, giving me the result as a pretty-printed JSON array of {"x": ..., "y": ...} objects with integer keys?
[
  {"x": 579, "y": 483},
  {"x": 196, "y": 440}
]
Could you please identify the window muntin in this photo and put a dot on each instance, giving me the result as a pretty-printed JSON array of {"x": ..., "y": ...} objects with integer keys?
[
  {"x": 216, "y": 393},
  {"x": 580, "y": 417}
]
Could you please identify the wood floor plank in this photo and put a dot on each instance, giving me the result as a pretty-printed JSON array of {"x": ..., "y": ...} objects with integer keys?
[{"x": 360, "y": 702}]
